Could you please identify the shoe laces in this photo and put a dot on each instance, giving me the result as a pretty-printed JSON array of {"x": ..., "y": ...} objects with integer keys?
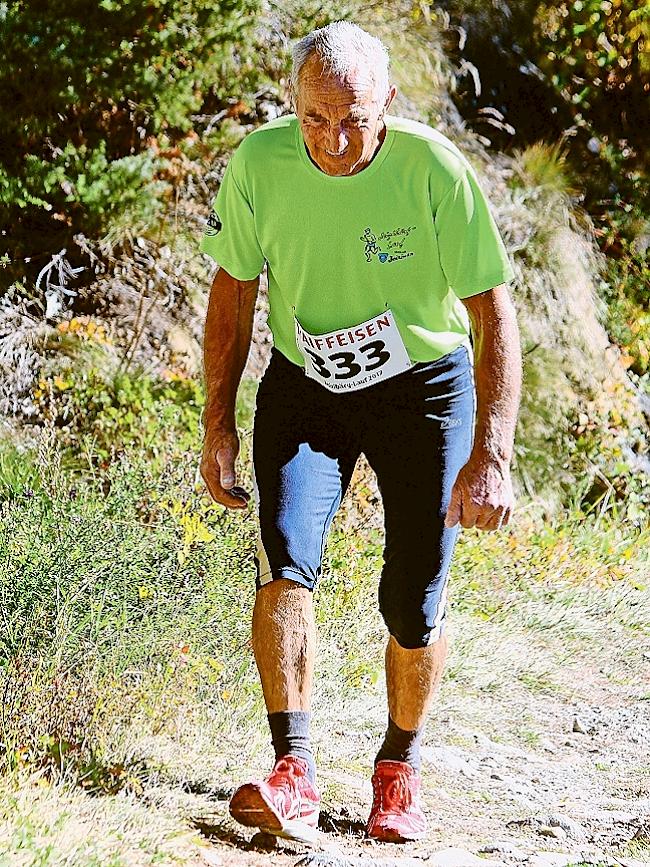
[
  {"x": 284, "y": 773},
  {"x": 395, "y": 792},
  {"x": 399, "y": 790}
]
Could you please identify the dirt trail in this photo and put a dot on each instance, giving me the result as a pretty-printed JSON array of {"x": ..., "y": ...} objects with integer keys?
[{"x": 510, "y": 777}]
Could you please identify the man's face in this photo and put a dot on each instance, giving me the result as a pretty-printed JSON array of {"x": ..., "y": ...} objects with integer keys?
[{"x": 340, "y": 119}]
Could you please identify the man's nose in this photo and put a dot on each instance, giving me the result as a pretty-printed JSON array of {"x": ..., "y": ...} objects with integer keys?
[{"x": 337, "y": 139}]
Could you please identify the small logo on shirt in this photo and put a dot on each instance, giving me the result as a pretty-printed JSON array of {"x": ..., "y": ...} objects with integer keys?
[
  {"x": 213, "y": 225},
  {"x": 389, "y": 246},
  {"x": 450, "y": 422}
]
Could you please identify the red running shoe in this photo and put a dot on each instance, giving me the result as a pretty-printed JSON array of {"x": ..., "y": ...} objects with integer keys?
[
  {"x": 396, "y": 815},
  {"x": 285, "y": 804}
]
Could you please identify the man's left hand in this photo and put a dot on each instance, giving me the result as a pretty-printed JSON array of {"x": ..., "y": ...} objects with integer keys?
[{"x": 482, "y": 495}]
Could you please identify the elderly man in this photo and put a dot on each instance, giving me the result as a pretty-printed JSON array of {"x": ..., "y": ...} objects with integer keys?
[{"x": 381, "y": 252}]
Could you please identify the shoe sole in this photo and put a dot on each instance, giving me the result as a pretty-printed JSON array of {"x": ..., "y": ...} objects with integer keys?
[
  {"x": 394, "y": 838},
  {"x": 385, "y": 835},
  {"x": 249, "y": 808},
  {"x": 295, "y": 830}
]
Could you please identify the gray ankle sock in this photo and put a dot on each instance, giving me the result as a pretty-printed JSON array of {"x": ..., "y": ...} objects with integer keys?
[
  {"x": 400, "y": 745},
  {"x": 290, "y": 734}
]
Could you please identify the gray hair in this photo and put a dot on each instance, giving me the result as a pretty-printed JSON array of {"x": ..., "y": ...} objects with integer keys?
[{"x": 341, "y": 47}]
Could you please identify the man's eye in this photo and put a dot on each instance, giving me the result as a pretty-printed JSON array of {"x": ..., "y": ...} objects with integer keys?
[{"x": 350, "y": 122}]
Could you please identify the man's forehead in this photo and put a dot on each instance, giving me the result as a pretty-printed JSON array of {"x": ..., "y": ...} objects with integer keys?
[
  {"x": 341, "y": 97},
  {"x": 353, "y": 106},
  {"x": 357, "y": 85}
]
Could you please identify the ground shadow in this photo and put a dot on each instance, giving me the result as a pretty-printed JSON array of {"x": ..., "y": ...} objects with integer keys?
[{"x": 341, "y": 823}]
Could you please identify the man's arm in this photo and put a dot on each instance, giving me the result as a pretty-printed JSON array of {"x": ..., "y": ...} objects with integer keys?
[
  {"x": 227, "y": 339},
  {"x": 482, "y": 495},
  {"x": 498, "y": 372}
]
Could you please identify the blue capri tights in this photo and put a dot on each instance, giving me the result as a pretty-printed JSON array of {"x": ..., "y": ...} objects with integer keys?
[{"x": 416, "y": 431}]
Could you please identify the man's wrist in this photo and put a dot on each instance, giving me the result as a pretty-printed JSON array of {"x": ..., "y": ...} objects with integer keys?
[
  {"x": 217, "y": 417},
  {"x": 493, "y": 442},
  {"x": 489, "y": 454}
]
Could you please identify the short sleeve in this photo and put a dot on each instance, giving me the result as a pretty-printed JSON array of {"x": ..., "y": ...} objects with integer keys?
[
  {"x": 230, "y": 237},
  {"x": 472, "y": 254}
]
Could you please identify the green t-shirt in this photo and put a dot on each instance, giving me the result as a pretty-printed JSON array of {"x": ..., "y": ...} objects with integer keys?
[{"x": 412, "y": 232}]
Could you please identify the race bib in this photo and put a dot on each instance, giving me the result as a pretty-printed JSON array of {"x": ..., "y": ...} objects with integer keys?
[{"x": 351, "y": 358}]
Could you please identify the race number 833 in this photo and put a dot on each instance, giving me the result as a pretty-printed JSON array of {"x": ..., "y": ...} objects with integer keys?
[{"x": 356, "y": 356}]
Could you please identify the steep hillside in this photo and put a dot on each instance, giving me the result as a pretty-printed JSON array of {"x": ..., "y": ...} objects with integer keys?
[{"x": 583, "y": 429}]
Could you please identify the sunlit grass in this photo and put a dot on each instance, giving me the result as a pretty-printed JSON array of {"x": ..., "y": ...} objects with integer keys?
[
  {"x": 127, "y": 596},
  {"x": 544, "y": 165}
]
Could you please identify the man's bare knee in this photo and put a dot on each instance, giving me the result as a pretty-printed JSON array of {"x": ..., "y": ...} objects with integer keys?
[
  {"x": 285, "y": 604},
  {"x": 283, "y": 587}
]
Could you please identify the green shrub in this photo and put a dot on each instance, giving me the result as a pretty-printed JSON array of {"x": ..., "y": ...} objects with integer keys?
[
  {"x": 594, "y": 51},
  {"x": 87, "y": 88},
  {"x": 104, "y": 415}
]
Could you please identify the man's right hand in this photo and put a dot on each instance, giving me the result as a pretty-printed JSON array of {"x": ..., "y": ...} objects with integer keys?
[{"x": 220, "y": 450}]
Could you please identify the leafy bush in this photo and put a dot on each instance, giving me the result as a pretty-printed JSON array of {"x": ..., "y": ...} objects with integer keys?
[
  {"x": 582, "y": 62},
  {"x": 594, "y": 52},
  {"x": 107, "y": 77},
  {"x": 584, "y": 66},
  {"x": 104, "y": 415}
]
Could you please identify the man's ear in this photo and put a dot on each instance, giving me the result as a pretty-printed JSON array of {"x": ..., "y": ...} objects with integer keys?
[{"x": 391, "y": 96}]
